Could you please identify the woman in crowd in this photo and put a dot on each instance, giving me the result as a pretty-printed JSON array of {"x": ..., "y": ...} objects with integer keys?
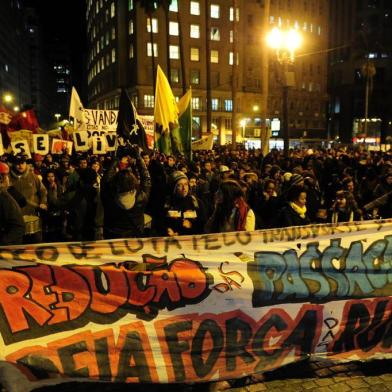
[
  {"x": 231, "y": 212},
  {"x": 344, "y": 208},
  {"x": 294, "y": 213}
]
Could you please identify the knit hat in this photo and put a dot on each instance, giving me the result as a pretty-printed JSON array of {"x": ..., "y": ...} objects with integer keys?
[
  {"x": 296, "y": 179},
  {"x": 287, "y": 176},
  {"x": 177, "y": 176}
]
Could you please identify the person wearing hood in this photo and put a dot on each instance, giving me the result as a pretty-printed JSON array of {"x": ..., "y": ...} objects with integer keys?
[
  {"x": 124, "y": 198},
  {"x": 28, "y": 184},
  {"x": 12, "y": 227},
  {"x": 184, "y": 212}
]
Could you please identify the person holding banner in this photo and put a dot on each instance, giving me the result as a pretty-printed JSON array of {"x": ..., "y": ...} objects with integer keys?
[
  {"x": 12, "y": 226},
  {"x": 30, "y": 186}
]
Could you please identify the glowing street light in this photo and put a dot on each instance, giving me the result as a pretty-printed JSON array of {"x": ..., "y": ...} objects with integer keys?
[
  {"x": 285, "y": 43},
  {"x": 8, "y": 98},
  {"x": 57, "y": 115},
  {"x": 16, "y": 109}
]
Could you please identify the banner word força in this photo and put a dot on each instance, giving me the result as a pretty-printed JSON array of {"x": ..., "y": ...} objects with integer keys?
[
  {"x": 321, "y": 275},
  {"x": 40, "y": 300}
]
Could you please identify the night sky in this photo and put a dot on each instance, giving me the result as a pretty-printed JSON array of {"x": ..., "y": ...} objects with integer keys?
[{"x": 65, "y": 20}]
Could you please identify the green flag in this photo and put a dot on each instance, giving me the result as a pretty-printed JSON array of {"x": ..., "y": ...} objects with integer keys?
[{"x": 182, "y": 136}]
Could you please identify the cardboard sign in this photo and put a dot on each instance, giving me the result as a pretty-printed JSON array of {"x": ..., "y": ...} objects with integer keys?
[
  {"x": 21, "y": 147},
  {"x": 1, "y": 145},
  {"x": 60, "y": 146},
  {"x": 99, "y": 145},
  {"x": 111, "y": 141},
  {"x": 81, "y": 141},
  {"x": 41, "y": 144}
]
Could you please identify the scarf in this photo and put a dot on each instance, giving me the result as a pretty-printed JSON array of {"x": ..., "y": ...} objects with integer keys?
[
  {"x": 301, "y": 211},
  {"x": 242, "y": 212}
]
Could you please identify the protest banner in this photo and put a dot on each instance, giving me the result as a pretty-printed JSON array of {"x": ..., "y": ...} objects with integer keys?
[
  {"x": 21, "y": 147},
  {"x": 205, "y": 143},
  {"x": 99, "y": 145},
  {"x": 101, "y": 120},
  {"x": 195, "y": 308},
  {"x": 41, "y": 144},
  {"x": 81, "y": 141}
]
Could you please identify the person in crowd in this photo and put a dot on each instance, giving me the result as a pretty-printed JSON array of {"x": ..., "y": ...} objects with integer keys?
[
  {"x": 124, "y": 198},
  {"x": 12, "y": 226},
  {"x": 268, "y": 208},
  {"x": 53, "y": 217},
  {"x": 294, "y": 213},
  {"x": 231, "y": 212},
  {"x": 344, "y": 209},
  {"x": 184, "y": 212},
  {"x": 34, "y": 192},
  {"x": 170, "y": 165}
]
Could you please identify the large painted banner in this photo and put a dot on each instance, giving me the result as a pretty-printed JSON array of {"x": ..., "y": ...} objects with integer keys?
[{"x": 193, "y": 309}]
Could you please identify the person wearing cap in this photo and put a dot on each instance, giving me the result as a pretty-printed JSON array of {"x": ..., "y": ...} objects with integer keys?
[
  {"x": 184, "y": 212},
  {"x": 32, "y": 189},
  {"x": 12, "y": 227}
]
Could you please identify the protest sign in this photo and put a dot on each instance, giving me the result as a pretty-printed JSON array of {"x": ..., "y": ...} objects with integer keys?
[
  {"x": 21, "y": 147},
  {"x": 60, "y": 146},
  {"x": 41, "y": 144},
  {"x": 101, "y": 120},
  {"x": 99, "y": 145},
  {"x": 196, "y": 308},
  {"x": 81, "y": 141},
  {"x": 1, "y": 145}
]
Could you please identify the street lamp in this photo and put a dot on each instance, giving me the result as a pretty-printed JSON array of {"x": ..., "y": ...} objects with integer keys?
[
  {"x": 57, "y": 115},
  {"x": 16, "y": 109},
  {"x": 285, "y": 43},
  {"x": 8, "y": 98}
]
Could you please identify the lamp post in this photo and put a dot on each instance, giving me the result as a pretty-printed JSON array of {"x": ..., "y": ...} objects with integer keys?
[{"x": 285, "y": 43}]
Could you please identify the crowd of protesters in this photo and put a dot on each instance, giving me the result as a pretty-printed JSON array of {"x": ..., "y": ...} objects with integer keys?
[{"x": 134, "y": 194}]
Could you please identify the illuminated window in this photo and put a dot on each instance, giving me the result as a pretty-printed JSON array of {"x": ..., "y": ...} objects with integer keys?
[
  {"x": 107, "y": 38},
  {"x": 131, "y": 53},
  {"x": 174, "y": 52},
  {"x": 195, "y": 76},
  {"x": 215, "y": 11},
  {"x": 195, "y": 8},
  {"x": 214, "y": 56},
  {"x": 149, "y": 50},
  {"x": 112, "y": 10},
  {"x": 231, "y": 58},
  {"x": 215, "y": 104},
  {"x": 195, "y": 54},
  {"x": 113, "y": 55},
  {"x": 173, "y": 28},
  {"x": 195, "y": 31},
  {"x": 175, "y": 75},
  {"x": 154, "y": 25},
  {"x": 231, "y": 36},
  {"x": 228, "y": 105},
  {"x": 130, "y": 27},
  {"x": 196, "y": 103},
  {"x": 148, "y": 101},
  {"x": 130, "y": 5},
  {"x": 113, "y": 33},
  {"x": 173, "y": 6},
  {"x": 215, "y": 34}
]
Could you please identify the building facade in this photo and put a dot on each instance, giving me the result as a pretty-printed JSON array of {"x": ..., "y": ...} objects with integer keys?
[
  {"x": 360, "y": 71},
  {"x": 125, "y": 43}
]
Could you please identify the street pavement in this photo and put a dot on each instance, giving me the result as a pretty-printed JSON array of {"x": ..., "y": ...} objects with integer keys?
[{"x": 305, "y": 376}]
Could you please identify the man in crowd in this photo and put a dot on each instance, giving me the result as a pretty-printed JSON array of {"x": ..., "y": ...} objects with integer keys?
[
  {"x": 12, "y": 227},
  {"x": 31, "y": 188}
]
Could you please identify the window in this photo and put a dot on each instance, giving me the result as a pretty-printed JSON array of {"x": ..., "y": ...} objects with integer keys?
[
  {"x": 102, "y": 63},
  {"x": 130, "y": 5},
  {"x": 228, "y": 105},
  {"x": 113, "y": 33},
  {"x": 195, "y": 8},
  {"x": 107, "y": 60},
  {"x": 175, "y": 75},
  {"x": 112, "y": 10},
  {"x": 173, "y": 28},
  {"x": 215, "y": 104},
  {"x": 154, "y": 25},
  {"x": 214, "y": 56},
  {"x": 148, "y": 101},
  {"x": 196, "y": 103},
  {"x": 231, "y": 14},
  {"x": 231, "y": 36},
  {"x": 195, "y": 54},
  {"x": 107, "y": 38},
  {"x": 174, "y": 52},
  {"x": 113, "y": 55},
  {"x": 228, "y": 123},
  {"x": 195, "y": 76},
  {"x": 149, "y": 49},
  {"x": 215, "y": 10},
  {"x": 131, "y": 53},
  {"x": 130, "y": 27},
  {"x": 173, "y": 6},
  {"x": 195, "y": 31},
  {"x": 215, "y": 34},
  {"x": 231, "y": 58}
]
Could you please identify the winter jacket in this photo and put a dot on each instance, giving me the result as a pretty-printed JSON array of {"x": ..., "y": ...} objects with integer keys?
[{"x": 12, "y": 227}]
